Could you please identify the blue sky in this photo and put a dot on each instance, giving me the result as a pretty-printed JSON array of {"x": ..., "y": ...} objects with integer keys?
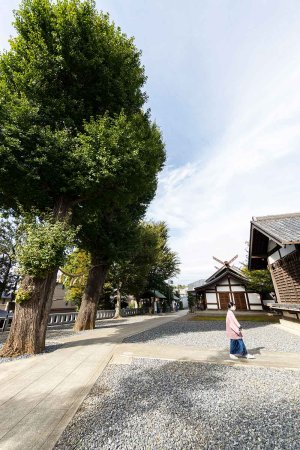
[{"x": 223, "y": 85}]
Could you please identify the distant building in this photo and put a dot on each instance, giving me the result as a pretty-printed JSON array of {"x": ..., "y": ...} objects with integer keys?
[
  {"x": 59, "y": 303},
  {"x": 275, "y": 244},
  {"x": 195, "y": 284},
  {"x": 183, "y": 296}
]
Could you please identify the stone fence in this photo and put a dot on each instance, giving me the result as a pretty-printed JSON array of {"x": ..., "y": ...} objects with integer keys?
[{"x": 70, "y": 317}]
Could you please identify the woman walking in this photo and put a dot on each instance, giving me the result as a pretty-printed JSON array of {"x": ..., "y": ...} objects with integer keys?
[{"x": 234, "y": 333}]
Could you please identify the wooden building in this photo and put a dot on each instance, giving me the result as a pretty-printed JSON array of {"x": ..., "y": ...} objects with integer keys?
[
  {"x": 275, "y": 244},
  {"x": 225, "y": 285}
]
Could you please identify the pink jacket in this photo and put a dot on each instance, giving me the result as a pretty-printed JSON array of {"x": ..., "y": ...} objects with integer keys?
[{"x": 232, "y": 326}]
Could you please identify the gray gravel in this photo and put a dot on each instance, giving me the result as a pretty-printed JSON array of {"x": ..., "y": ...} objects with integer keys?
[
  {"x": 211, "y": 335},
  {"x": 163, "y": 405}
]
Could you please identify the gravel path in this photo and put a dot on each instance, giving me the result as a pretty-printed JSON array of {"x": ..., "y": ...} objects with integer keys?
[
  {"x": 211, "y": 335},
  {"x": 163, "y": 405}
]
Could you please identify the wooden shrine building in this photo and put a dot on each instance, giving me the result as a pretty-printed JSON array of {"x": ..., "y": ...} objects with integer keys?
[
  {"x": 227, "y": 284},
  {"x": 275, "y": 244}
]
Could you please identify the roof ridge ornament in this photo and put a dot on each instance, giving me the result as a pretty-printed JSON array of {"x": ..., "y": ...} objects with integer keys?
[{"x": 225, "y": 263}]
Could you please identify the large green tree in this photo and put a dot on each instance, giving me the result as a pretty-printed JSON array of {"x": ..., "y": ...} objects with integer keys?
[
  {"x": 68, "y": 84},
  {"x": 166, "y": 264},
  {"x": 147, "y": 266}
]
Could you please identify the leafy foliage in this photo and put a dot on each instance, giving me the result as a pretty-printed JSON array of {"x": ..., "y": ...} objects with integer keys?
[
  {"x": 149, "y": 263},
  {"x": 23, "y": 295},
  {"x": 42, "y": 245},
  {"x": 258, "y": 280},
  {"x": 74, "y": 275},
  {"x": 191, "y": 301},
  {"x": 131, "y": 270},
  {"x": 67, "y": 64},
  {"x": 166, "y": 264}
]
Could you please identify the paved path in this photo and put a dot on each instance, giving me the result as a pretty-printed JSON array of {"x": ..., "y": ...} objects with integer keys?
[
  {"x": 124, "y": 353},
  {"x": 40, "y": 395}
]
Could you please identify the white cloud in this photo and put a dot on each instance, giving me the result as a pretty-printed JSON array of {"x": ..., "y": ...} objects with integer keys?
[
  {"x": 253, "y": 169},
  {"x": 224, "y": 77}
]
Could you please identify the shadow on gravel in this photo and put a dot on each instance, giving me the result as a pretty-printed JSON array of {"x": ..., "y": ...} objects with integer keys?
[
  {"x": 256, "y": 350},
  {"x": 182, "y": 327},
  {"x": 171, "y": 405}
]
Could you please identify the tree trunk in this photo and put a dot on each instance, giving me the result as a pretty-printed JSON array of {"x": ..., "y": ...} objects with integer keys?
[
  {"x": 88, "y": 309},
  {"x": 118, "y": 303},
  {"x": 28, "y": 330},
  {"x": 29, "y": 325}
]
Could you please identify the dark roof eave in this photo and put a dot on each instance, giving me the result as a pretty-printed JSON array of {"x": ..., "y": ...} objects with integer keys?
[{"x": 268, "y": 235}]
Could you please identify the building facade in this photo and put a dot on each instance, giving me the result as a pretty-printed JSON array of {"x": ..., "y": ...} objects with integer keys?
[
  {"x": 225, "y": 285},
  {"x": 275, "y": 244}
]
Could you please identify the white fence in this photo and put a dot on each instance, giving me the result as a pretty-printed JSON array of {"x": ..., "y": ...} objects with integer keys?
[
  {"x": 5, "y": 320},
  {"x": 70, "y": 317}
]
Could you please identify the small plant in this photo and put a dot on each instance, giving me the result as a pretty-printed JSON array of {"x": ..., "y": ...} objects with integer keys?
[
  {"x": 191, "y": 302},
  {"x": 22, "y": 295}
]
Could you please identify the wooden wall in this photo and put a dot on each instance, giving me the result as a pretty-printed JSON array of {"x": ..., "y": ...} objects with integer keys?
[{"x": 286, "y": 274}]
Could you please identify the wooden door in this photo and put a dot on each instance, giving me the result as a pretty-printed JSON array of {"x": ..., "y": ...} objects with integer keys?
[
  {"x": 224, "y": 299},
  {"x": 240, "y": 300}
]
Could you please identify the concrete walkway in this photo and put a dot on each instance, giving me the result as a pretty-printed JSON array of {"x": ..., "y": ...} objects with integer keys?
[
  {"x": 40, "y": 395},
  {"x": 124, "y": 353}
]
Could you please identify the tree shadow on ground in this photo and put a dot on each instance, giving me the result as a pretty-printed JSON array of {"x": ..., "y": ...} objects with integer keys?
[
  {"x": 181, "y": 327},
  {"x": 167, "y": 405}
]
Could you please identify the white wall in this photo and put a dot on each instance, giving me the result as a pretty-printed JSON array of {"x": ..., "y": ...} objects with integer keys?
[
  {"x": 211, "y": 298},
  {"x": 212, "y": 307},
  {"x": 287, "y": 250},
  {"x": 283, "y": 252},
  {"x": 184, "y": 300},
  {"x": 271, "y": 245},
  {"x": 237, "y": 288},
  {"x": 254, "y": 298},
  {"x": 223, "y": 288},
  {"x": 223, "y": 281},
  {"x": 256, "y": 307},
  {"x": 273, "y": 258}
]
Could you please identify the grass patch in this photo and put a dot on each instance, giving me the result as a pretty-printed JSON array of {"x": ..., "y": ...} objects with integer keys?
[{"x": 240, "y": 318}]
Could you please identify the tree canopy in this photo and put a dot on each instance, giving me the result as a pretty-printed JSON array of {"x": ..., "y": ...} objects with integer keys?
[
  {"x": 67, "y": 64},
  {"x": 259, "y": 280}
]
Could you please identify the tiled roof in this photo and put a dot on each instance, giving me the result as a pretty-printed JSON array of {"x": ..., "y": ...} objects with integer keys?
[
  {"x": 224, "y": 269},
  {"x": 285, "y": 228},
  {"x": 219, "y": 275},
  {"x": 195, "y": 284}
]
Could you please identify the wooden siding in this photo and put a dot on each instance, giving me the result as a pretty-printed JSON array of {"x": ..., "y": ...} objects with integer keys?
[
  {"x": 240, "y": 301},
  {"x": 224, "y": 299},
  {"x": 286, "y": 275}
]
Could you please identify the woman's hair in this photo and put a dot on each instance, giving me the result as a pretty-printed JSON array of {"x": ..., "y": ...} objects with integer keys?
[{"x": 230, "y": 305}]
